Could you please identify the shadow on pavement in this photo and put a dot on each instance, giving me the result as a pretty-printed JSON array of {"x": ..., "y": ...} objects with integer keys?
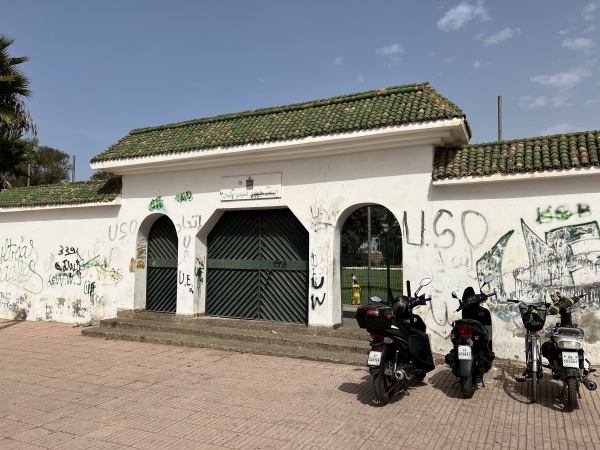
[{"x": 9, "y": 324}]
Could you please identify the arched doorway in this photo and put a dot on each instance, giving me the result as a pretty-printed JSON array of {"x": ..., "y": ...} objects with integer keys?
[
  {"x": 161, "y": 281},
  {"x": 257, "y": 267},
  {"x": 371, "y": 255}
]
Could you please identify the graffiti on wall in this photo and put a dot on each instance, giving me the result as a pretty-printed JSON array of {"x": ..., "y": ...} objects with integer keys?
[
  {"x": 18, "y": 265},
  {"x": 567, "y": 259},
  {"x": 89, "y": 269},
  {"x": 122, "y": 230},
  {"x": 562, "y": 212},
  {"x": 184, "y": 197},
  {"x": 317, "y": 280}
]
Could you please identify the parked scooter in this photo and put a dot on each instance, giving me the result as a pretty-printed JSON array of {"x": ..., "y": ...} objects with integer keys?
[
  {"x": 400, "y": 348},
  {"x": 564, "y": 350},
  {"x": 471, "y": 336}
]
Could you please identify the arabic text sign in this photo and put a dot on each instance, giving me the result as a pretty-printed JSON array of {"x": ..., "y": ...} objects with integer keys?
[{"x": 251, "y": 187}]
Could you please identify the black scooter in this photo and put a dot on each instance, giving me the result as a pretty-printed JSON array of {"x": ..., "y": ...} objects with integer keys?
[
  {"x": 471, "y": 336},
  {"x": 400, "y": 348}
]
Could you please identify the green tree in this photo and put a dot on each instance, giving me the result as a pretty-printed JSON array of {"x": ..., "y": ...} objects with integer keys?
[
  {"x": 98, "y": 175},
  {"x": 47, "y": 165},
  {"x": 15, "y": 120},
  {"x": 355, "y": 231}
]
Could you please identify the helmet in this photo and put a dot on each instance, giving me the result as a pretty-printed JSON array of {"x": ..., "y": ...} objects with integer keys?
[{"x": 400, "y": 306}]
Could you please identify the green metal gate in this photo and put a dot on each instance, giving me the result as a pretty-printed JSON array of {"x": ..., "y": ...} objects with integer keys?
[
  {"x": 257, "y": 267},
  {"x": 161, "y": 284}
]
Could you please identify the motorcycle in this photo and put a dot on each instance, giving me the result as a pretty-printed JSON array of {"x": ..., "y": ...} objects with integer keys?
[
  {"x": 564, "y": 351},
  {"x": 471, "y": 336},
  {"x": 400, "y": 348}
]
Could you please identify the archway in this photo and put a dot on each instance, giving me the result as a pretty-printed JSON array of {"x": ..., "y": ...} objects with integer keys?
[{"x": 371, "y": 255}]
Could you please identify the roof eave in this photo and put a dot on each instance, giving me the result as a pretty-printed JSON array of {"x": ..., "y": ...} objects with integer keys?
[
  {"x": 446, "y": 132},
  {"x": 518, "y": 176}
]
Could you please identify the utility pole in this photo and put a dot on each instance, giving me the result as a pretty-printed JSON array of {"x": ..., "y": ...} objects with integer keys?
[
  {"x": 73, "y": 170},
  {"x": 499, "y": 118}
]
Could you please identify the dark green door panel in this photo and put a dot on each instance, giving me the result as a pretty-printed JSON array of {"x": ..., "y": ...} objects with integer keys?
[
  {"x": 257, "y": 267},
  {"x": 161, "y": 284}
]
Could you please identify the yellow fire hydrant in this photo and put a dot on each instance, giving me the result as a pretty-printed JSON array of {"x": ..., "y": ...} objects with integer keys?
[{"x": 356, "y": 293}]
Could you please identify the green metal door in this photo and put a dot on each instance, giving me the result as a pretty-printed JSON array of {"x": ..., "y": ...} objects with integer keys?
[
  {"x": 257, "y": 267},
  {"x": 161, "y": 284}
]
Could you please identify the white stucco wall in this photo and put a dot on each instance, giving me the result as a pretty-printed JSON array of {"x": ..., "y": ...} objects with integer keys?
[{"x": 83, "y": 263}]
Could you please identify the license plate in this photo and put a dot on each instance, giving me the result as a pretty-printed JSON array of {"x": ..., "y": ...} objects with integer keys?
[
  {"x": 570, "y": 359},
  {"x": 374, "y": 359},
  {"x": 464, "y": 352}
]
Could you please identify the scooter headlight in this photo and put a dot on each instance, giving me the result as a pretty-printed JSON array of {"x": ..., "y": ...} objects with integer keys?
[{"x": 570, "y": 345}]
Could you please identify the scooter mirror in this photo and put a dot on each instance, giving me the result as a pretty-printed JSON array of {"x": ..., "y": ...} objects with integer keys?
[
  {"x": 488, "y": 278},
  {"x": 454, "y": 295},
  {"x": 425, "y": 282}
]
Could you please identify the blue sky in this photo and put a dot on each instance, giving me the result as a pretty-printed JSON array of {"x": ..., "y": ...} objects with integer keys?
[{"x": 101, "y": 68}]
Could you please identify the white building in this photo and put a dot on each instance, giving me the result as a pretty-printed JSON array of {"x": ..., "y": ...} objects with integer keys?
[{"x": 240, "y": 215}]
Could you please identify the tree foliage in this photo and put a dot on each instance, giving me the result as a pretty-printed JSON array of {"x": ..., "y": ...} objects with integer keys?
[
  {"x": 384, "y": 226},
  {"x": 99, "y": 175},
  {"x": 46, "y": 165},
  {"x": 15, "y": 120}
]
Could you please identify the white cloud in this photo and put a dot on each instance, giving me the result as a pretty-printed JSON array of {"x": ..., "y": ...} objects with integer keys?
[
  {"x": 590, "y": 8},
  {"x": 564, "y": 80},
  {"x": 560, "y": 129},
  {"x": 392, "y": 51},
  {"x": 530, "y": 102},
  {"x": 458, "y": 16},
  {"x": 579, "y": 44},
  {"x": 588, "y": 11},
  {"x": 502, "y": 36},
  {"x": 361, "y": 79},
  {"x": 479, "y": 64},
  {"x": 389, "y": 50},
  {"x": 338, "y": 60}
]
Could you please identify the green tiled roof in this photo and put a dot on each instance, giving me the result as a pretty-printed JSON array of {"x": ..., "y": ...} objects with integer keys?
[
  {"x": 557, "y": 152},
  {"x": 62, "y": 194},
  {"x": 362, "y": 111}
]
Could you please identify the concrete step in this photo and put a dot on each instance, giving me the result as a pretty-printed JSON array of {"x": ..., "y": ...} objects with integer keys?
[{"x": 245, "y": 336}]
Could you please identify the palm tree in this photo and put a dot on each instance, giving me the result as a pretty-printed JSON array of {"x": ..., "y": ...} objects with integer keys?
[{"x": 15, "y": 120}]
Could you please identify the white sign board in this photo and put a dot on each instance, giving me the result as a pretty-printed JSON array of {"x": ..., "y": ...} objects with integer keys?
[{"x": 251, "y": 187}]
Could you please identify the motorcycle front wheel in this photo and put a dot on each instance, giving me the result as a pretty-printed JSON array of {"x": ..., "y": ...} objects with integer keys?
[
  {"x": 383, "y": 385},
  {"x": 572, "y": 393}
]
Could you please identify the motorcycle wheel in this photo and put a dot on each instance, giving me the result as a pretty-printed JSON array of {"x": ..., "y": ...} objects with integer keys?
[
  {"x": 383, "y": 386},
  {"x": 467, "y": 386},
  {"x": 572, "y": 393}
]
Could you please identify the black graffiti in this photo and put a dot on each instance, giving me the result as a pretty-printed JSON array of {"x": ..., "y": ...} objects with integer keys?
[
  {"x": 186, "y": 281},
  {"x": 315, "y": 300},
  {"x": 315, "y": 285},
  {"x": 406, "y": 230},
  {"x": 278, "y": 264},
  {"x": 464, "y": 229},
  {"x": 438, "y": 216},
  {"x": 450, "y": 235}
]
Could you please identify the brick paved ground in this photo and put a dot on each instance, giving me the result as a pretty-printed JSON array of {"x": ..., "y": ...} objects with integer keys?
[{"x": 61, "y": 390}]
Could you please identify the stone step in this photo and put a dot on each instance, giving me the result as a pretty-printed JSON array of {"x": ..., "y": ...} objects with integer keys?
[
  {"x": 345, "y": 345},
  {"x": 261, "y": 333},
  {"x": 354, "y": 353}
]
